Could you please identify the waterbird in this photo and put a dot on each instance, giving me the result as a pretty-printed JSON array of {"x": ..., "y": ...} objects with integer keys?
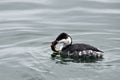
[{"x": 75, "y": 51}]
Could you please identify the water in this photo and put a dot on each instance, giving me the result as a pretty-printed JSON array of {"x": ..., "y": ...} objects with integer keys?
[{"x": 28, "y": 26}]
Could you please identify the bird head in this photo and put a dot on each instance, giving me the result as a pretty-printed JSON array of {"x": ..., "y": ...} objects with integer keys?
[{"x": 63, "y": 39}]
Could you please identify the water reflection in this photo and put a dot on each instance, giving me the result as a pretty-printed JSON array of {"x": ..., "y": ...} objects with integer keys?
[{"x": 61, "y": 60}]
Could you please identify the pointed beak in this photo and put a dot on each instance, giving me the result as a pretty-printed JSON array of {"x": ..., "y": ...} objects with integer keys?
[{"x": 54, "y": 43}]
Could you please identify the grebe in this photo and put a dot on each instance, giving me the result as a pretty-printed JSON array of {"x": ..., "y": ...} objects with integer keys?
[{"x": 75, "y": 51}]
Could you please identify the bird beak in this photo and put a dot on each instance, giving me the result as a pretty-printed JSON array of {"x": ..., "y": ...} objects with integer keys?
[{"x": 53, "y": 46}]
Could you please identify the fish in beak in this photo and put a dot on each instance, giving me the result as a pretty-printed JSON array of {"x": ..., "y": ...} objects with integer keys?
[
  {"x": 53, "y": 45},
  {"x": 63, "y": 38}
]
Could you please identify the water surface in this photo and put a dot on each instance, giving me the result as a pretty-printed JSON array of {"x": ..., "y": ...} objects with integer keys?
[{"x": 28, "y": 26}]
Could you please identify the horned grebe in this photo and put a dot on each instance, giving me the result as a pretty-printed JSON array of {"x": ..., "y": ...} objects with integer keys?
[{"x": 75, "y": 51}]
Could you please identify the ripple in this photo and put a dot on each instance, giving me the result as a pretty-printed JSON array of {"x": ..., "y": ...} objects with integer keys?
[
  {"x": 106, "y": 1},
  {"x": 58, "y": 11},
  {"x": 27, "y": 27},
  {"x": 26, "y": 1},
  {"x": 117, "y": 39},
  {"x": 13, "y": 28}
]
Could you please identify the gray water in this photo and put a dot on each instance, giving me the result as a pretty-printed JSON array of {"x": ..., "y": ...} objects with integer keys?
[{"x": 28, "y": 26}]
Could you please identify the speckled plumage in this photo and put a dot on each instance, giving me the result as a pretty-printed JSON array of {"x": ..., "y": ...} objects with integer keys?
[
  {"x": 75, "y": 51},
  {"x": 81, "y": 51}
]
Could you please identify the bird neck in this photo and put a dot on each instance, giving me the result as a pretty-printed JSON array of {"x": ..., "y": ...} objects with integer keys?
[{"x": 64, "y": 45}]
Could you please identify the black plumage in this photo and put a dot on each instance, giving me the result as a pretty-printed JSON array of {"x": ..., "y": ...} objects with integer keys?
[{"x": 76, "y": 51}]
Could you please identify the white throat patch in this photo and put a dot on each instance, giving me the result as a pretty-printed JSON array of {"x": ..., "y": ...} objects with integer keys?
[{"x": 65, "y": 42}]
